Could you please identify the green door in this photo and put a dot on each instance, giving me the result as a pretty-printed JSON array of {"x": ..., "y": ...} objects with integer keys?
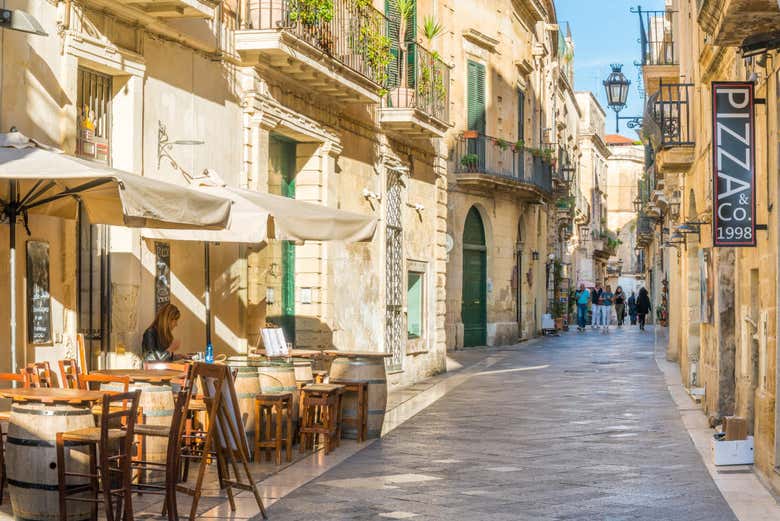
[
  {"x": 283, "y": 159},
  {"x": 474, "y": 305}
]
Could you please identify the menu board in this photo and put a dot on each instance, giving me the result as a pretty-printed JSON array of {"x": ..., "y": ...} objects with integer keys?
[
  {"x": 162, "y": 277},
  {"x": 274, "y": 342},
  {"x": 38, "y": 297}
]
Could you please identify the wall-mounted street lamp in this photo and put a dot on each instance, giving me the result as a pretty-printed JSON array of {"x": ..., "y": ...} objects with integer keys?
[
  {"x": 637, "y": 204},
  {"x": 674, "y": 206},
  {"x": 16, "y": 20},
  {"x": 165, "y": 145},
  {"x": 616, "y": 85}
]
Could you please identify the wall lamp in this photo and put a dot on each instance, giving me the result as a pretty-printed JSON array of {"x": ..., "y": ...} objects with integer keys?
[
  {"x": 535, "y": 255},
  {"x": 16, "y": 20},
  {"x": 371, "y": 196},
  {"x": 165, "y": 145}
]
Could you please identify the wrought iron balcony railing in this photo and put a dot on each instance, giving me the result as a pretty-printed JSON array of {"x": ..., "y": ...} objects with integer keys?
[
  {"x": 656, "y": 35},
  {"x": 348, "y": 32},
  {"x": 671, "y": 111},
  {"x": 490, "y": 156},
  {"x": 428, "y": 83}
]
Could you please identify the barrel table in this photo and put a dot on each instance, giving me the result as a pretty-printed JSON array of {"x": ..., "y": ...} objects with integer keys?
[
  {"x": 157, "y": 405},
  {"x": 37, "y": 415},
  {"x": 247, "y": 387},
  {"x": 355, "y": 366},
  {"x": 278, "y": 376}
]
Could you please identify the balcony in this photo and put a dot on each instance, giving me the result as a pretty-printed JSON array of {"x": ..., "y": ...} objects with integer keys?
[
  {"x": 645, "y": 230},
  {"x": 342, "y": 54},
  {"x": 729, "y": 22},
  {"x": 171, "y": 9},
  {"x": 486, "y": 164},
  {"x": 421, "y": 108},
  {"x": 660, "y": 61},
  {"x": 582, "y": 209},
  {"x": 669, "y": 127}
]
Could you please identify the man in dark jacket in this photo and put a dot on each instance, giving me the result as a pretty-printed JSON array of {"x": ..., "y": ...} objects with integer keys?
[
  {"x": 632, "y": 308},
  {"x": 643, "y": 307}
]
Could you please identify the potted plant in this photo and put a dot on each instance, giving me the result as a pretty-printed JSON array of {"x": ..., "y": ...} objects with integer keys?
[
  {"x": 314, "y": 15},
  {"x": 470, "y": 134},
  {"x": 469, "y": 161},
  {"x": 404, "y": 96},
  {"x": 661, "y": 314}
]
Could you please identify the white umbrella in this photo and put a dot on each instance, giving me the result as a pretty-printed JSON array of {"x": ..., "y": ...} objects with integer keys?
[
  {"x": 257, "y": 218},
  {"x": 39, "y": 180}
]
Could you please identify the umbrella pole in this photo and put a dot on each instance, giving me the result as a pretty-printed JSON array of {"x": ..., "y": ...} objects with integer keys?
[
  {"x": 11, "y": 209},
  {"x": 207, "y": 270}
]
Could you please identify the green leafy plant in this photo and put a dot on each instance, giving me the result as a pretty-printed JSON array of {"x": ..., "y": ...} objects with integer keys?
[
  {"x": 377, "y": 52},
  {"x": 311, "y": 12},
  {"x": 469, "y": 161},
  {"x": 502, "y": 144},
  {"x": 431, "y": 29}
]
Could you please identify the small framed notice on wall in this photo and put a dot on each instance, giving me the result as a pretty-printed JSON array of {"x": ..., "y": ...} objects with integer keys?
[{"x": 38, "y": 297}]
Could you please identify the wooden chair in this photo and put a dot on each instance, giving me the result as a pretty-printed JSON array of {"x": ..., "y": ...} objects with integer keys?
[
  {"x": 115, "y": 433},
  {"x": 321, "y": 415},
  {"x": 4, "y": 417},
  {"x": 172, "y": 457},
  {"x": 358, "y": 417},
  {"x": 39, "y": 374},
  {"x": 69, "y": 373},
  {"x": 272, "y": 412},
  {"x": 93, "y": 381}
]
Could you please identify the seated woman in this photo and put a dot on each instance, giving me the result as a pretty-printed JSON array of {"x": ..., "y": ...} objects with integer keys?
[{"x": 158, "y": 343}]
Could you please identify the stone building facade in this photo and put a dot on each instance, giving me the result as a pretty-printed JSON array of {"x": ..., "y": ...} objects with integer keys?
[
  {"x": 725, "y": 335},
  {"x": 508, "y": 62},
  {"x": 254, "y": 98}
]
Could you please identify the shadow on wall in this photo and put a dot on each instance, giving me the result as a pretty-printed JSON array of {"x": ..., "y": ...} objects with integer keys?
[{"x": 310, "y": 332}]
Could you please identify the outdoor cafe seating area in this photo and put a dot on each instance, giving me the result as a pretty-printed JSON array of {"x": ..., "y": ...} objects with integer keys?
[{"x": 95, "y": 445}]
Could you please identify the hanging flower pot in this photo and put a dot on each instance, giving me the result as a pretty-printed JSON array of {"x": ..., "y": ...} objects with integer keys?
[{"x": 470, "y": 134}]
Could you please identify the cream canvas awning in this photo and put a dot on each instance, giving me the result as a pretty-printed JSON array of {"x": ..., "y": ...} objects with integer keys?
[
  {"x": 257, "y": 217},
  {"x": 39, "y": 180}
]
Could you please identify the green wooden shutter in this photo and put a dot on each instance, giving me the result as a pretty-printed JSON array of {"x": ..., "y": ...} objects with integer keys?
[
  {"x": 393, "y": 32},
  {"x": 288, "y": 248},
  {"x": 476, "y": 96}
]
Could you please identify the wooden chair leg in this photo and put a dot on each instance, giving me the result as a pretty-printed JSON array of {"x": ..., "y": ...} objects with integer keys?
[
  {"x": 258, "y": 433},
  {"x": 289, "y": 439},
  {"x": 268, "y": 419},
  {"x": 277, "y": 416},
  {"x": 105, "y": 476},
  {"x": 93, "y": 480},
  {"x": 60, "y": 443},
  {"x": 127, "y": 478}
]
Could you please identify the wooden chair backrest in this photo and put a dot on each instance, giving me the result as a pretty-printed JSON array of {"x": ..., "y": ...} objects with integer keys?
[
  {"x": 18, "y": 378},
  {"x": 39, "y": 374},
  {"x": 93, "y": 381},
  {"x": 122, "y": 407},
  {"x": 69, "y": 374}
]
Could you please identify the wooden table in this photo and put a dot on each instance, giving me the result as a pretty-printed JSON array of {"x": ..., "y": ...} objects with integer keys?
[
  {"x": 37, "y": 415},
  {"x": 295, "y": 353},
  {"x": 357, "y": 354},
  {"x": 155, "y": 376}
]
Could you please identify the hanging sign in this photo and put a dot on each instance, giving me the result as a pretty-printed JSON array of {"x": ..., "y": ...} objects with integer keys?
[{"x": 733, "y": 156}]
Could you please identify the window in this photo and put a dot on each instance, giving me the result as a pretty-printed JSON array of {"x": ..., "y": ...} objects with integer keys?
[
  {"x": 414, "y": 304},
  {"x": 476, "y": 96},
  {"x": 93, "y": 140}
]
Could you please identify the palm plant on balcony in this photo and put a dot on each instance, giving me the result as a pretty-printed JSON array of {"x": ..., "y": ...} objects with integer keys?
[
  {"x": 431, "y": 87},
  {"x": 405, "y": 10}
]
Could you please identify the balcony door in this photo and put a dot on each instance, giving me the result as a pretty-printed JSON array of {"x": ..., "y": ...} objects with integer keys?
[{"x": 474, "y": 304}]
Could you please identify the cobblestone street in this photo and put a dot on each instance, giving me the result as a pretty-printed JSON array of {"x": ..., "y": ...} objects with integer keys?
[{"x": 574, "y": 427}]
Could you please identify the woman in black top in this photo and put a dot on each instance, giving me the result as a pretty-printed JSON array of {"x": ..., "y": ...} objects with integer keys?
[
  {"x": 642, "y": 307},
  {"x": 620, "y": 305},
  {"x": 158, "y": 342}
]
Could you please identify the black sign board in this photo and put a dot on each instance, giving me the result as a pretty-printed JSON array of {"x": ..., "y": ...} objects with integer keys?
[
  {"x": 733, "y": 156},
  {"x": 162, "y": 279},
  {"x": 38, "y": 298}
]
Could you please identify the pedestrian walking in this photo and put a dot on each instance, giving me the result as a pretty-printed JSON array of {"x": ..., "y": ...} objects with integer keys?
[
  {"x": 582, "y": 297},
  {"x": 642, "y": 307},
  {"x": 620, "y": 306},
  {"x": 606, "y": 307},
  {"x": 595, "y": 306},
  {"x": 632, "y": 308}
]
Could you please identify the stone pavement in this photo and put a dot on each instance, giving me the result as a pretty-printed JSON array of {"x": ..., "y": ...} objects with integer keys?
[{"x": 574, "y": 427}]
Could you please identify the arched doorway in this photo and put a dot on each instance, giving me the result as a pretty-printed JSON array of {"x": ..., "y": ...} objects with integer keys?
[{"x": 474, "y": 303}]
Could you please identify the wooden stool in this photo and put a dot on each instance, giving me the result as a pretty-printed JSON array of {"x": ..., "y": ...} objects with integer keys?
[
  {"x": 321, "y": 415},
  {"x": 275, "y": 408},
  {"x": 319, "y": 376},
  {"x": 359, "y": 416}
]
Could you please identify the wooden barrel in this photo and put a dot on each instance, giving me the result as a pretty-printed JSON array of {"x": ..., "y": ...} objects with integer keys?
[
  {"x": 279, "y": 377},
  {"x": 362, "y": 368},
  {"x": 247, "y": 386},
  {"x": 303, "y": 371},
  {"x": 31, "y": 459}
]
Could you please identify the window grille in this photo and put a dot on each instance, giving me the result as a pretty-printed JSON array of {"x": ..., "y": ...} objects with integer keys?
[
  {"x": 395, "y": 332},
  {"x": 94, "y": 116}
]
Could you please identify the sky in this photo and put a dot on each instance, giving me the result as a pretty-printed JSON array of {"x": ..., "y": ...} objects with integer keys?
[{"x": 605, "y": 32}]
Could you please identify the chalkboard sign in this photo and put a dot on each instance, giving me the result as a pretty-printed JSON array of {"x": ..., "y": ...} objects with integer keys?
[
  {"x": 162, "y": 279},
  {"x": 38, "y": 297}
]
